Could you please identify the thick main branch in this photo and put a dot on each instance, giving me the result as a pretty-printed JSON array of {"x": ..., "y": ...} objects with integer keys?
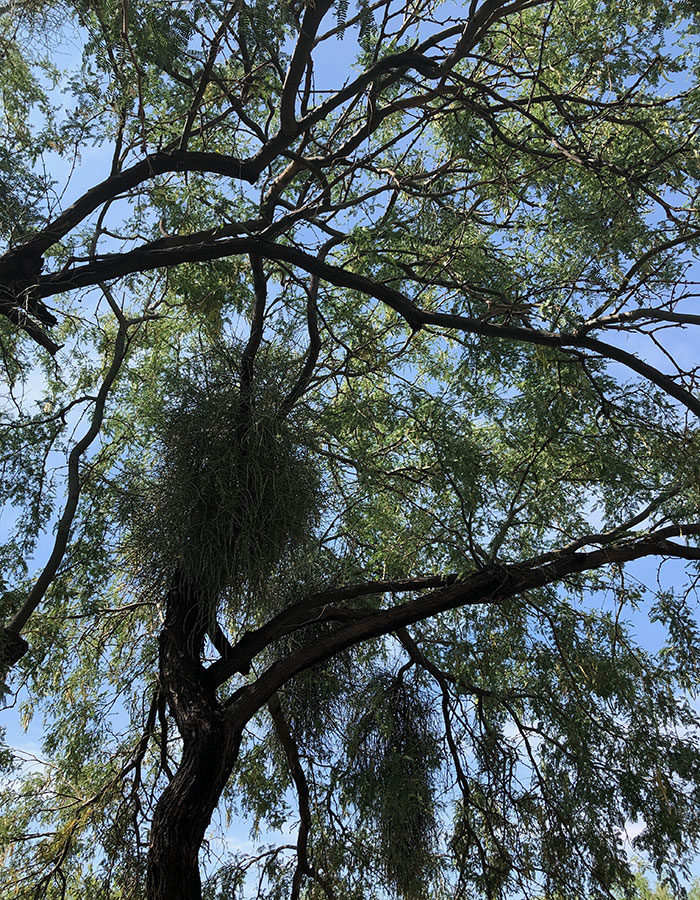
[{"x": 492, "y": 585}]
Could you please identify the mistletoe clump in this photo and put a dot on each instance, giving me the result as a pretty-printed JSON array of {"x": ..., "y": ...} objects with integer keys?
[{"x": 228, "y": 499}]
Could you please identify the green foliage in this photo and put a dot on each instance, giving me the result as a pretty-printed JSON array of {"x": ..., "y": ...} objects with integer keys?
[
  {"x": 161, "y": 36},
  {"x": 341, "y": 15},
  {"x": 227, "y": 498},
  {"x": 474, "y": 365},
  {"x": 393, "y": 755},
  {"x": 659, "y": 891}
]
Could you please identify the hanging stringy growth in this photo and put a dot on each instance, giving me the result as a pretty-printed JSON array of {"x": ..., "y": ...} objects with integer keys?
[
  {"x": 229, "y": 499},
  {"x": 394, "y": 757}
]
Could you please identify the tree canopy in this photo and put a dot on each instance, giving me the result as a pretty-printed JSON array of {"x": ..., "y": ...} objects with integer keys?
[{"x": 349, "y": 370}]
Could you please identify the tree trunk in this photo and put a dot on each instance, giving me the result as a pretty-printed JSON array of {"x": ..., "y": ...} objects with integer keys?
[
  {"x": 184, "y": 811},
  {"x": 210, "y": 744}
]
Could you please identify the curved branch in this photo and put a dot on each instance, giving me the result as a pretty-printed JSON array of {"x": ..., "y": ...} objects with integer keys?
[
  {"x": 22, "y": 319},
  {"x": 313, "y": 17},
  {"x": 155, "y": 164},
  {"x": 647, "y": 314},
  {"x": 255, "y": 337},
  {"x": 307, "y": 611},
  {"x": 65, "y": 523},
  {"x": 291, "y": 751},
  {"x": 595, "y": 321},
  {"x": 492, "y": 585},
  {"x": 189, "y": 250}
]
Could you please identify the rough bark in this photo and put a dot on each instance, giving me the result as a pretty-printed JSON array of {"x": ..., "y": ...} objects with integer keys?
[
  {"x": 211, "y": 731},
  {"x": 184, "y": 810},
  {"x": 210, "y": 748}
]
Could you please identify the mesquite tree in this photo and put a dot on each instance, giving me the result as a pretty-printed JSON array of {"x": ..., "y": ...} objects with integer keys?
[{"x": 348, "y": 354}]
